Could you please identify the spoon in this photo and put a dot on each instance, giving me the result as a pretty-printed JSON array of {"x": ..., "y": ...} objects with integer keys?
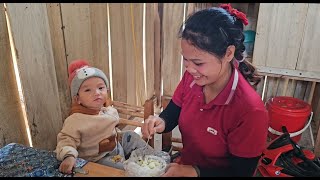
[{"x": 143, "y": 152}]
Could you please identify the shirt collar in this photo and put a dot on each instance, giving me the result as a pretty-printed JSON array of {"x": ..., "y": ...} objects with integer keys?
[{"x": 226, "y": 95}]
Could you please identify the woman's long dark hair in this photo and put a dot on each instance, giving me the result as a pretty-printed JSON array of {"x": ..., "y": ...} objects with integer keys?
[{"x": 213, "y": 30}]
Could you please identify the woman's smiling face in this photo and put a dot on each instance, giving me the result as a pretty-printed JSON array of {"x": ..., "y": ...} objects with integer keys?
[{"x": 203, "y": 66}]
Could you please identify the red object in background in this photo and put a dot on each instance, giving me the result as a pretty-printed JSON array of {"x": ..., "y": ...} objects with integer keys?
[
  {"x": 268, "y": 166},
  {"x": 289, "y": 112},
  {"x": 234, "y": 12}
]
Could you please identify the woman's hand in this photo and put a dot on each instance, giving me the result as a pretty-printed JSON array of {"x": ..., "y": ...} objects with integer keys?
[
  {"x": 179, "y": 170},
  {"x": 152, "y": 125},
  {"x": 67, "y": 165},
  {"x": 109, "y": 102}
]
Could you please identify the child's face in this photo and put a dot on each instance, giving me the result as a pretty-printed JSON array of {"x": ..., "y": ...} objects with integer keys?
[{"x": 92, "y": 93}]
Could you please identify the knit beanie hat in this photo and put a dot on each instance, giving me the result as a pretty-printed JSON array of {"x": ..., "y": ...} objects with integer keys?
[{"x": 79, "y": 71}]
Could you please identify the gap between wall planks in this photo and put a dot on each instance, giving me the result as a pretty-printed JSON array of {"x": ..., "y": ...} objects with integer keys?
[
  {"x": 12, "y": 126},
  {"x": 30, "y": 28}
]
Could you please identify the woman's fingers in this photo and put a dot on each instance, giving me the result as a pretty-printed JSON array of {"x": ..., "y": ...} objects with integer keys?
[
  {"x": 152, "y": 125},
  {"x": 159, "y": 125},
  {"x": 148, "y": 126}
]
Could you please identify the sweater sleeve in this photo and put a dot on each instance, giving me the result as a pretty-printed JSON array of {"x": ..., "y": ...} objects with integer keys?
[
  {"x": 111, "y": 111},
  {"x": 68, "y": 141}
]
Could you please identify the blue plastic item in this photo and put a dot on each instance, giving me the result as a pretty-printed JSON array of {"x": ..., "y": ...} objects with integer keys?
[
  {"x": 249, "y": 41},
  {"x": 249, "y": 36}
]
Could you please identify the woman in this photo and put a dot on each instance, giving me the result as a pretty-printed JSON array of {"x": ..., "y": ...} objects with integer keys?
[{"x": 222, "y": 120}]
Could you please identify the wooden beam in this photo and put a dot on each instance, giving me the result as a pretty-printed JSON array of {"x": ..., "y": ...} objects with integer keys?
[
  {"x": 130, "y": 113},
  {"x": 127, "y": 106},
  {"x": 292, "y": 74},
  {"x": 130, "y": 122}
]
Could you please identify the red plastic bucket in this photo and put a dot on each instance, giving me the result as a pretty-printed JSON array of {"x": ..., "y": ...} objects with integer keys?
[{"x": 290, "y": 112}]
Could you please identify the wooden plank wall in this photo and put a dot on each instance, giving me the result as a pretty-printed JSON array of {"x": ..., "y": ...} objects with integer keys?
[
  {"x": 118, "y": 40},
  {"x": 278, "y": 28},
  {"x": 171, "y": 57},
  {"x": 31, "y": 35},
  {"x": 309, "y": 52},
  {"x": 141, "y": 54},
  {"x": 157, "y": 51},
  {"x": 277, "y": 32},
  {"x": 151, "y": 15},
  {"x": 55, "y": 35},
  {"x": 60, "y": 59},
  {"x": 12, "y": 126},
  {"x": 126, "y": 23},
  {"x": 295, "y": 28}
]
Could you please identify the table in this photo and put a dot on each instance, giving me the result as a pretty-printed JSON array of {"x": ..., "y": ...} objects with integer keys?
[{"x": 98, "y": 170}]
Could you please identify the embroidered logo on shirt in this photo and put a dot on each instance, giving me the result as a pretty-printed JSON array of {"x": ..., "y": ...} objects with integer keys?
[{"x": 212, "y": 131}]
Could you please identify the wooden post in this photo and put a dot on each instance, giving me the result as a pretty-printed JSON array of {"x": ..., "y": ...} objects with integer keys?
[
  {"x": 317, "y": 141},
  {"x": 157, "y": 54},
  {"x": 286, "y": 82},
  {"x": 275, "y": 88}
]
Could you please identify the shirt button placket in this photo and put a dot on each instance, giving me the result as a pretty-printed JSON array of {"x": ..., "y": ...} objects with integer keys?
[{"x": 201, "y": 109}]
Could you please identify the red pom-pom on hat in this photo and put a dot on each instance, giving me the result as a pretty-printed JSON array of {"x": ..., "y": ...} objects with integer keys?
[
  {"x": 73, "y": 66},
  {"x": 79, "y": 71}
]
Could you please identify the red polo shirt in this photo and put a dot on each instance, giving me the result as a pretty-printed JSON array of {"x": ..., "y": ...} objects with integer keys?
[{"x": 235, "y": 122}]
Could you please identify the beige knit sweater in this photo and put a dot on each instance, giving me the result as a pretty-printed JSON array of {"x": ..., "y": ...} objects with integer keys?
[{"x": 81, "y": 134}]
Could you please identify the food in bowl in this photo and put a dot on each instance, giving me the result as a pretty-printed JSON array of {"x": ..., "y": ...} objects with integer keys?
[
  {"x": 116, "y": 158},
  {"x": 149, "y": 166}
]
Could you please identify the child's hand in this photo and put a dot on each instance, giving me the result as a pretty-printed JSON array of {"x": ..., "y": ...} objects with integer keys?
[{"x": 67, "y": 165}]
